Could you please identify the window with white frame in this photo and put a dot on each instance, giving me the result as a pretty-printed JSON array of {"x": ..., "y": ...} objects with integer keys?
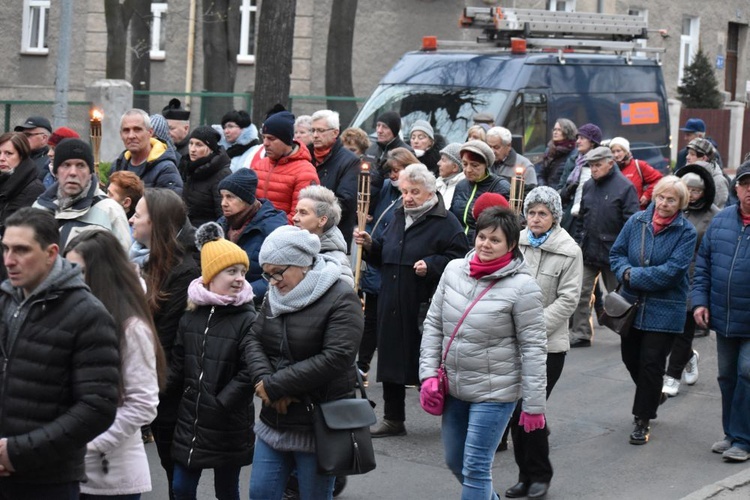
[
  {"x": 158, "y": 31},
  {"x": 248, "y": 18},
  {"x": 689, "y": 41},
  {"x": 35, "y": 21},
  {"x": 562, "y": 5},
  {"x": 642, "y": 13}
]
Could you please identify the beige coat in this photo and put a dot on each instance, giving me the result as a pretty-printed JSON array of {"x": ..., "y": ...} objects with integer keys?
[{"x": 557, "y": 266}]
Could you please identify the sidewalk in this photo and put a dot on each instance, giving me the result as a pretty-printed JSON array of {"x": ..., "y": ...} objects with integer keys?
[{"x": 732, "y": 488}]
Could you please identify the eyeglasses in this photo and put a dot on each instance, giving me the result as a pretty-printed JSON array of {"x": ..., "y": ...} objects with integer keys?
[
  {"x": 660, "y": 198},
  {"x": 32, "y": 134},
  {"x": 275, "y": 276},
  {"x": 321, "y": 130}
]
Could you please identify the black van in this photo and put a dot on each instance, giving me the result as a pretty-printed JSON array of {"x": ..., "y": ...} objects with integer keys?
[{"x": 624, "y": 95}]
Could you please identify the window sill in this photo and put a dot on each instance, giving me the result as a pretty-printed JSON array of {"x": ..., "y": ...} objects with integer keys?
[{"x": 35, "y": 52}]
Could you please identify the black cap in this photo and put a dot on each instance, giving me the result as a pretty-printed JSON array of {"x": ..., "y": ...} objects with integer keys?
[
  {"x": 34, "y": 122},
  {"x": 174, "y": 111}
]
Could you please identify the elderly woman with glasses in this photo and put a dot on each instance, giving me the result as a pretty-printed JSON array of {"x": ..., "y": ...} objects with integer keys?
[
  {"x": 650, "y": 258},
  {"x": 412, "y": 253},
  {"x": 301, "y": 350}
]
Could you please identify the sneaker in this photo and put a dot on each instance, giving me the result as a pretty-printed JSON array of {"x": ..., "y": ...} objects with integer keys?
[
  {"x": 691, "y": 369},
  {"x": 721, "y": 446},
  {"x": 671, "y": 386},
  {"x": 735, "y": 454},
  {"x": 641, "y": 432}
]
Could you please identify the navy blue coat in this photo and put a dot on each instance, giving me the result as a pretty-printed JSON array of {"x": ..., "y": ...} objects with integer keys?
[
  {"x": 159, "y": 170},
  {"x": 606, "y": 205},
  {"x": 659, "y": 278},
  {"x": 264, "y": 222},
  {"x": 722, "y": 274}
]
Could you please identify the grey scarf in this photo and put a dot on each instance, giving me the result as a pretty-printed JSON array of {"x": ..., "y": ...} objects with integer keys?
[
  {"x": 412, "y": 214},
  {"x": 325, "y": 272}
]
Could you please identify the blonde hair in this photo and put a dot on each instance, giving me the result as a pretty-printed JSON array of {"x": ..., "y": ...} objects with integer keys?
[{"x": 675, "y": 184}]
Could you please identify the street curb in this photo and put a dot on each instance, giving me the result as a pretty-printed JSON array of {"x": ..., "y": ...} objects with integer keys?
[{"x": 739, "y": 481}]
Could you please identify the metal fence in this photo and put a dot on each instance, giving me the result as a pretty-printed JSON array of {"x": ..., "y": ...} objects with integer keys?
[{"x": 16, "y": 112}]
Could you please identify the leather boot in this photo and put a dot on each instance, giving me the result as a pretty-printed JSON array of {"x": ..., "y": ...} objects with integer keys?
[
  {"x": 641, "y": 432},
  {"x": 388, "y": 428}
]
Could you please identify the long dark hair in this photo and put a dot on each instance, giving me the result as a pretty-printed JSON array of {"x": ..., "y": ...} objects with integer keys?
[
  {"x": 168, "y": 216},
  {"x": 114, "y": 281}
]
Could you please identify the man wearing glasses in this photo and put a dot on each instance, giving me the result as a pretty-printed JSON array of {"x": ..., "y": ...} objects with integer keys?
[{"x": 37, "y": 130}]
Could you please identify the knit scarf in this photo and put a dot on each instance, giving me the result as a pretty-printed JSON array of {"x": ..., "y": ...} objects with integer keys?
[
  {"x": 238, "y": 221},
  {"x": 412, "y": 214},
  {"x": 238, "y": 149},
  {"x": 64, "y": 202},
  {"x": 479, "y": 269},
  {"x": 575, "y": 175},
  {"x": 138, "y": 254},
  {"x": 199, "y": 295},
  {"x": 192, "y": 166},
  {"x": 324, "y": 273},
  {"x": 660, "y": 222},
  {"x": 536, "y": 241},
  {"x": 321, "y": 154}
]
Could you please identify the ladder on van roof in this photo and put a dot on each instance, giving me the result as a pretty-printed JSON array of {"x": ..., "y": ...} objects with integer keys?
[{"x": 560, "y": 30}]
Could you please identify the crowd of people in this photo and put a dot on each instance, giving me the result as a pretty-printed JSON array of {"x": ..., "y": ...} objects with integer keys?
[{"x": 212, "y": 266}]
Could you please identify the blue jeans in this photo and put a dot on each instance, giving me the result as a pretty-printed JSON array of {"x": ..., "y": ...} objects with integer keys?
[
  {"x": 271, "y": 470},
  {"x": 471, "y": 433},
  {"x": 226, "y": 482},
  {"x": 734, "y": 382}
]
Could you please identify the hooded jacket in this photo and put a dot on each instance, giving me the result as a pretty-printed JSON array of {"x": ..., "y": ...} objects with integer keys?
[
  {"x": 281, "y": 181},
  {"x": 243, "y": 149},
  {"x": 58, "y": 390},
  {"x": 500, "y": 351},
  {"x": 159, "y": 170}
]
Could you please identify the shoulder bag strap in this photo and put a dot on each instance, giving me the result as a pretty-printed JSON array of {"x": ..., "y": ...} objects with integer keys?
[
  {"x": 460, "y": 321},
  {"x": 640, "y": 174}
]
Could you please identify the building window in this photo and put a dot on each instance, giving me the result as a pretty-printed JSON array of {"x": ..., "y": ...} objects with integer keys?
[
  {"x": 248, "y": 17},
  {"x": 688, "y": 44},
  {"x": 35, "y": 24},
  {"x": 562, "y": 5},
  {"x": 158, "y": 33}
]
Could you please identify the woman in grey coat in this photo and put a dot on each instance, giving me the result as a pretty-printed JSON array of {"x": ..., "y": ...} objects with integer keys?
[{"x": 497, "y": 357}]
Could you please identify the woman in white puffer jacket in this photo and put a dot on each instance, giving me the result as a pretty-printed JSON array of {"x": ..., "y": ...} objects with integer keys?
[{"x": 498, "y": 355}]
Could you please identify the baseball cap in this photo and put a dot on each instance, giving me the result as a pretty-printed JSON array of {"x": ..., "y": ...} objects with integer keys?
[
  {"x": 743, "y": 171},
  {"x": 34, "y": 122},
  {"x": 694, "y": 125}
]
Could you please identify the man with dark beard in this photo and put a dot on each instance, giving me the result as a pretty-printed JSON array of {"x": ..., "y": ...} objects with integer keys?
[{"x": 247, "y": 221}]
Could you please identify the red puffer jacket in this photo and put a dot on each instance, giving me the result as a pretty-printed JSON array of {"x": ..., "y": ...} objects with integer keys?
[{"x": 280, "y": 182}]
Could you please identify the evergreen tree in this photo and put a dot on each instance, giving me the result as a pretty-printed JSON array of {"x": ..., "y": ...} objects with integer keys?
[{"x": 699, "y": 87}]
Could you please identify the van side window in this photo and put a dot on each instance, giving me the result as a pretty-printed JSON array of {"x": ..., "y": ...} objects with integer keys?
[{"x": 528, "y": 119}]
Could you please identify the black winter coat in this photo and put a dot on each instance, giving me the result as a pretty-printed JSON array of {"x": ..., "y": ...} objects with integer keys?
[
  {"x": 216, "y": 413},
  {"x": 41, "y": 162},
  {"x": 466, "y": 195},
  {"x": 18, "y": 190},
  {"x": 339, "y": 172},
  {"x": 378, "y": 152},
  {"x": 323, "y": 339},
  {"x": 58, "y": 390},
  {"x": 606, "y": 205},
  {"x": 200, "y": 188},
  {"x": 437, "y": 238}
]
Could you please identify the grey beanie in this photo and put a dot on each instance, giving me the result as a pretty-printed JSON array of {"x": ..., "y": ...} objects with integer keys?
[
  {"x": 693, "y": 180},
  {"x": 423, "y": 126},
  {"x": 453, "y": 152},
  {"x": 482, "y": 149},
  {"x": 289, "y": 246},
  {"x": 547, "y": 197}
]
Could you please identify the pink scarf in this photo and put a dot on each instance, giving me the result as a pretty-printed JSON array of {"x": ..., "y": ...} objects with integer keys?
[
  {"x": 479, "y": 269},
  {"x": 202, "y": 296}
]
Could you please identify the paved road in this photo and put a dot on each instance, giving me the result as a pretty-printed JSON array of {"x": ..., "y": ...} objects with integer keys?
[{"x": 589, "y": 416}]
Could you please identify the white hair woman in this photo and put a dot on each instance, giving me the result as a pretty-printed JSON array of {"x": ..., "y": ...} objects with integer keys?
[{"x": 412, "y": 253}]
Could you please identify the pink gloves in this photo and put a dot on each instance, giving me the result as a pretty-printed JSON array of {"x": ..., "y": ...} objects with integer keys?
[
  {"x": 430, "y": 397},
  {"x": 531, "y": 422}
]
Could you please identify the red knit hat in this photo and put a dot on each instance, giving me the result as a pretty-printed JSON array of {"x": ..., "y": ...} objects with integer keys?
[
  {"x": 488, "y": 200},
  {"x": 61, "y": 133}
]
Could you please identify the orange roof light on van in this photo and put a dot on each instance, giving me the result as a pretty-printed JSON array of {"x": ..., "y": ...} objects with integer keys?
[
  {"x": 429, "y": 43},
  {"x": 517, "y": 46}
]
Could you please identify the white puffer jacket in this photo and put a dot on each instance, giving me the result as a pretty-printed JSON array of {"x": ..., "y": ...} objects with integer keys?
[
  {"x": 500, "y": 351},
  {"x": 557, "y": 266}
]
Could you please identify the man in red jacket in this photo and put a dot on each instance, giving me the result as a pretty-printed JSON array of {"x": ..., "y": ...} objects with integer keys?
[{"x": 286, "y": 169}]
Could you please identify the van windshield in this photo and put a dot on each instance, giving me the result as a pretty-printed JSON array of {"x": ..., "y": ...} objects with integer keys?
[{"x": 448, "y": 109}]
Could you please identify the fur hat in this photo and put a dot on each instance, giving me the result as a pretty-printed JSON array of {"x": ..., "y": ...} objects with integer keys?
[
  {"x": 174, "y": 111},
  {"x": 453, "y": 152},
  {"x": 217, "y": 253},
  {"x": 487, "y": 200},
  {"x": 620, "y": 141},
  {"x": 392, "y": 121},
  {"x": 243, "y": 184},
  {"x": 482, "y": 149},
  {"x": 423, "y": 126},
  {"x": 208, "y": 136},
  {"x": 72, "y": 149},
  {"x": 693, "y": 180},
  {"x": 61, "y": 133},
  {"x": 591, "y": 132},
  {"x": 240, "y": 117},
  {"x": 548, "y": 197},
  {"x": 281, "y": 126},
  {"x": 289, "y": 246}
]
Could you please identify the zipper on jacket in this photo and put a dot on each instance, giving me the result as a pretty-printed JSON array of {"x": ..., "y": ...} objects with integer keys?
[
  {"x": 466, "y": 210},
  {"x": 198, "y": 389}
]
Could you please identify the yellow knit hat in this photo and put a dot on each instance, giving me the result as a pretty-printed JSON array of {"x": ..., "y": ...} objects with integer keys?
[{"x": 217, "y": 253}]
